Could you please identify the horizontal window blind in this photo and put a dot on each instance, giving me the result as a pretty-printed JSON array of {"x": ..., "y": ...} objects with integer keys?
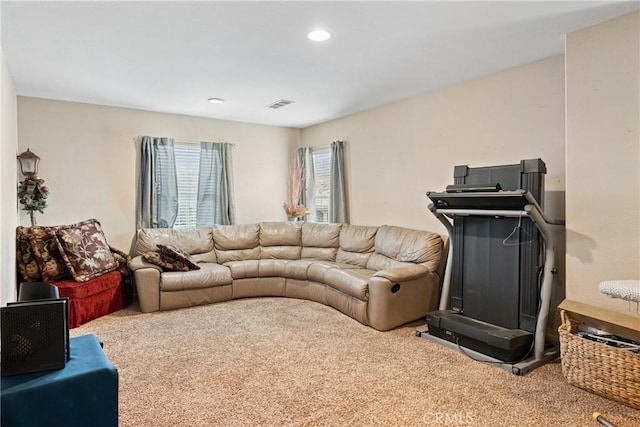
[
  {"x": 322, "y": 176},
  {"x": 187, "y": 170}
]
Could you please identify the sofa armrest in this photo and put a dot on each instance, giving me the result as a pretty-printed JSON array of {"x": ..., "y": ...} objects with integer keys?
[
  {"x": 138, "y": 262},
  {"x": 403, "y": 274},
  {"x": 395, "y": 302},
  {"x": 147, "y": 277}
]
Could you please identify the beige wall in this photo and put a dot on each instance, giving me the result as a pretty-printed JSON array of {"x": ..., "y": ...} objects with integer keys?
[
  {"x": 395, "y": 153},
  {"x": 90, "y": 161},
  {"x": 8, "y": 173},
  {"x": 603, "y": 158}
]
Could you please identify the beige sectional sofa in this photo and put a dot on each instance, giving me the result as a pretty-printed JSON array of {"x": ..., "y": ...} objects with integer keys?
[{"x": 381, "y": 276}]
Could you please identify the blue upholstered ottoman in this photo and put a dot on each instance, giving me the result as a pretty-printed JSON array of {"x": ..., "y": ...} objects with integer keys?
[{"x": 84, "y": 393}]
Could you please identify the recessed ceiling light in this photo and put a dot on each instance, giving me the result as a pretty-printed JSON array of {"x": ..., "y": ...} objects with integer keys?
[
  {"x": 319, "y": 35},
  {"x": 216, "y": 100}
]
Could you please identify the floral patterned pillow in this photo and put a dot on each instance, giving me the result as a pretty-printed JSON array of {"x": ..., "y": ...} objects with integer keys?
[
  {"x": 47, "y": 254},
  {"x": 85, "y": 250},
  {"x": 27, "y": 264},
  {"x": 179, "y": 255},
  {"x": 161, "y": 260},
  {"x": 122, "y": 261}
]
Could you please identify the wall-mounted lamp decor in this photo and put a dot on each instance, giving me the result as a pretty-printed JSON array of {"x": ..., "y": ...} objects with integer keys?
[
  {"x": 28, "y": 163},
  {"x": 32, "y": 193}
]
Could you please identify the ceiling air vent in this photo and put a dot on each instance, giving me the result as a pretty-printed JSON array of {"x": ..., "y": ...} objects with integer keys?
[{"x": 279, "y": 104}]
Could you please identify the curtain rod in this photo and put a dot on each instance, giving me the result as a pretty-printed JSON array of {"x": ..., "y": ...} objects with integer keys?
[
  {"x": 135, "y": 138},
  {"x": 198, "y": 142},
  {"x": 319, "y": 146}
]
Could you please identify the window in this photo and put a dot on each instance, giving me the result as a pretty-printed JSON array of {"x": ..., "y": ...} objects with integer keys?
[
  {"x": 184, "y": 184},
  {"x": 322, "y": 188},
  {"x": 187, "y": 171}
]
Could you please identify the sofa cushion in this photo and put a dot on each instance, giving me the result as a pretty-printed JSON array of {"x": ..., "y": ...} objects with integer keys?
[
  {"x": 353, "y": 282},
  {"x": 236, "y": 242},
  {"x": 257, "y": 268},
  {"x": 243, "y": 269},
  {"x": 317, "y": 270},
  {"x": 236, "y": 237},
  {"x": 379, "y": 262},
  {"x": 272, "y": 267},
  {"x": 164, "y": 261},
  {"x": 325, "y": 254},
  {"x": 205, "y": 257},
  {"x": 356, "y": 244},
  {"x": 280, "y": 252},
  {"x": 314, "y": 270},
  {"x": 191, "y": 240},
  {"x": 280, "y": 240},
  {"x": 320, "y": 241},
  {"x": 238, "y": 255},
  {"x": 208, "y": 276},
  {"x": 357, "y": 238},
  {"x": 297, "y": 269},
  {"x": 179, "y": 255},
  {"x": 356, "y": 259},
  {"x": 85, "y": 250},
  {"x": 321, "y": 235},
  {"x": 280, "y": 234},
  {"x": 406, "y": 245}
]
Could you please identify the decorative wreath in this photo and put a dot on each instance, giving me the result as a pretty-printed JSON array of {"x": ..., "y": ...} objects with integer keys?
[{"x": 32, "y": 194}]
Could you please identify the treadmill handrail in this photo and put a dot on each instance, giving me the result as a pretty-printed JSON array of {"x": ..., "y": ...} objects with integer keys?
[
  {"x": 482, "y": 212},
  {"x": 500, "y": 212},
  {"x": 532, "y": 211},
  {"x": 524, "y": 194}
]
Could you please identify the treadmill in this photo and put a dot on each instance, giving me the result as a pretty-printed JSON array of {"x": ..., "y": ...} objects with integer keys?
[{"x": 498, "y": 282}]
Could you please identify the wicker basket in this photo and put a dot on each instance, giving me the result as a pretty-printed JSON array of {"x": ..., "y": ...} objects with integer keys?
[{"x": 608, "y": 371}]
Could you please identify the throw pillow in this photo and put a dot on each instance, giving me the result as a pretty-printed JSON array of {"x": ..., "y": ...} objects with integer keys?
[
  {"x": 47, "y": 254},
  {"x": 161, "y": 260},
  {"x": 118, "y": 253},
  {"x": 85, "y": 250},
  {"x": 180, "y": 255},
  {"x": 122, "y": 261},
  {"x": 27, "y": 264}
]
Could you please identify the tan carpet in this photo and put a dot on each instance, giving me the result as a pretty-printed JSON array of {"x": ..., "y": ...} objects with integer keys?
[{"x": 288, "y": 362}]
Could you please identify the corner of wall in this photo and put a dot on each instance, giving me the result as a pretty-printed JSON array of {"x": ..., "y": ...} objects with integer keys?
[{"x": 8, "y": 174}]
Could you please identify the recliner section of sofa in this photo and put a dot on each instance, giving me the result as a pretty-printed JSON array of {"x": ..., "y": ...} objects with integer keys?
[{"x": 382, "y": 277}]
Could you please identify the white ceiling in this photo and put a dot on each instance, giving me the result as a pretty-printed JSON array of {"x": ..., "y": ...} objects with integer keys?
[{"x": 173, "y": 56}]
